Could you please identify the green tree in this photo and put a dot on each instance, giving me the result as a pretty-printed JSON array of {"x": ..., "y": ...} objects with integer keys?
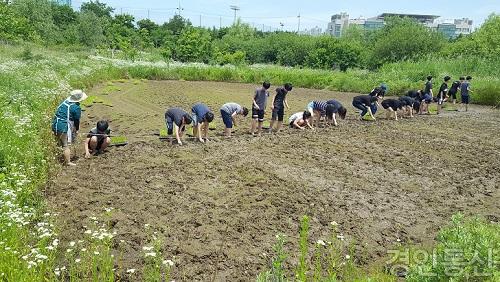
[
  {"x": 404, "y": 39},
  {"x": 99, "y": 9},
  {"x": 177, "y": 24},
  {"x": 90, "y": 29},
  {"x": 39, "y": 16},
  {"x": 193, "y": 45},
  {"x": 14, "y": 26}
]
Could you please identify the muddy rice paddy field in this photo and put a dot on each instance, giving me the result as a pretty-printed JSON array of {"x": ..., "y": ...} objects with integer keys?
[{"x": 218, "y": 206}]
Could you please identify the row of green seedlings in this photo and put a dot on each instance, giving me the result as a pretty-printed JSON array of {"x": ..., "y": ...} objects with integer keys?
[{"x": 331, "y": 260}]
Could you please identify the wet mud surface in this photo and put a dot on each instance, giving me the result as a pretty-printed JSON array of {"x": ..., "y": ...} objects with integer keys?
[{"x": 218, "y": 206}]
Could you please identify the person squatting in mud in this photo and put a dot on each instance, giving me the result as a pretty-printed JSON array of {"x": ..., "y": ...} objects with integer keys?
[
  {"x": 202, "y": 116},
  {"x": 66, "y": 122},
  {"x": 278, "y": 106},
  {"x": 300, "y": 120},
  {"x": 259, "y": 107},
  {"x": 98, "y": 139},
  {"x": 176, "y": 120},
  {"x": 442, "y": 94}
]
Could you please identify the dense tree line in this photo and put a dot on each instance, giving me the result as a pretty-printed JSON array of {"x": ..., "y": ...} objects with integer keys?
[{"x": 96, "y": 26}]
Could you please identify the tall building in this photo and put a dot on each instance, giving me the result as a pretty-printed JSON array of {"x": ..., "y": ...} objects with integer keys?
[
  {"x": 315, "y": 31},
  {"x": 338, "y": 24}
]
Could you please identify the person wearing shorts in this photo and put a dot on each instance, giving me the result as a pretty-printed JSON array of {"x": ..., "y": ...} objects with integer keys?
[
  {"x": 442, "y": 94},
  {"x": 278, "y": 106},
  {"x": 228, "y": 112},
  {"x": 66, "y": 122},
  {"x": 98, "y": 139},
  {"x": 465, "y": 91},
  {"x": 392, "y": 106},
  {"x": 408, "y": 104},
  {"x": 259, "y": 107},
  {"x": 364, "y": 103},
  {"x": 202, "y": 117},
  {"x": 176, "y": 120}
]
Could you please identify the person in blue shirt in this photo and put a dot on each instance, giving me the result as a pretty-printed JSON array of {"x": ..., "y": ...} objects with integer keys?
[
  {"x": 176, "y": 120},
  {"x": 202, "y": 116},
  {"x": 465, "y": 90},
  {"x": 66, "y": 122}
]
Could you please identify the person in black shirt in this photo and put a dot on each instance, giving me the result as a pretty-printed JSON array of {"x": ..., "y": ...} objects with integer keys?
[
  {"x": 454, "y": 89},
  {"x": 364, "y": 103},
  {"x": 378, "y": 92},
  {"x": 97, "y": 139},
  {"x": 408, "y": 105},
  {"x": 442, "y": 94},
  {"x": 427, "y": 97},
  {"x": 278, "y": 106},
  {"x": 392, "y": 106},
  {"x": 176, "y": 120}
]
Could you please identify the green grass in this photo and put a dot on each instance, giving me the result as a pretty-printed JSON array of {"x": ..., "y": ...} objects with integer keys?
[{"x": 91, "y": 100}]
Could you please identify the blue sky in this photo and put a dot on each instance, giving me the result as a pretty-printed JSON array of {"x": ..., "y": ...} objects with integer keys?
[{"x": 269, "y": 14}]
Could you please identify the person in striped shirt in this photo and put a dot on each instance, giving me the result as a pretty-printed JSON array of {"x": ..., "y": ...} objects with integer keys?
[{"x": 317, "y": 110}]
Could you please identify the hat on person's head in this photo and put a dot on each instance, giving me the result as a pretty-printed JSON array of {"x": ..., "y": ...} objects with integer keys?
[{"x": 77, "y": 96}]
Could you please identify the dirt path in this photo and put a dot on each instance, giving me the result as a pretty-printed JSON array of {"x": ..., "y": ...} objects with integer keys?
[{"x": 219, "y": 206}]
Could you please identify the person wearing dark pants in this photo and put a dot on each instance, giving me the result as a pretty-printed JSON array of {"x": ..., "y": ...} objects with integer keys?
[
  {"x": 278, "y": 106},
  {"x": 364, "y": 103},
  {"x": 176, "y": 120}
]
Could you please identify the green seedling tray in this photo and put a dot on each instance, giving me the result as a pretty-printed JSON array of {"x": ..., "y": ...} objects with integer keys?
[{"x": 119, "y": 141}]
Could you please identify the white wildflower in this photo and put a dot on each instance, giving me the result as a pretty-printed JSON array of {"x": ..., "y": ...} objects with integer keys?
[
  {"x": 72, "y": 244},
  {"x": 150, "y": 254},
  {"x": 77, "y": 260},
  {"x": 321, "y": 242},
  {"x": 168, "y": 262},
  {"x": 131, "y": 270},
  {"x": 146, "y": 248},
  {"x": 347, "y": 256}
]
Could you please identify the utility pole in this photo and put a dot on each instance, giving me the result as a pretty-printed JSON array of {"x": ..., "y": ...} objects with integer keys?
[
  {"x": 220, "y": 22},
  {"x": 179, "y": 9},
  {"x": 200, "y": 20},
  {"x": 298, "y": 27},
  {"x": 148, "y": 13},
  {"x": 282, "y": 25},
  {"x": 234, "y": 8}
]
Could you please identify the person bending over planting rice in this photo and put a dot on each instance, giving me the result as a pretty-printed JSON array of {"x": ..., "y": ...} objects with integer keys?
[
  {"x": 317, "y": 109},
  {"x": 176, "y": 120},
  {"x": 97, "y": 139},
  {"x": 300, "y": 120},
  {"x": 455, "y": 86},
  {"x": 259, "y": 107},
  {"x": 442, "y": 94},
  {"x": 378, "y": 92},
  {"x": 278, "y": 106},
  {"x": 427, "y": 97},
  {"x": 364, "y": 103},
  {"x": 408, "y": 105},
  {"x": 228, "y": 112},
  {"x": 392, "y": 106},
  {"x": 66, "y": 122},
  {"x": 202, "y": 116},
  {"x": 333, "y": 108}
]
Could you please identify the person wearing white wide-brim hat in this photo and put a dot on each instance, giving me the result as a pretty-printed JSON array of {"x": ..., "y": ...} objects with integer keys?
[{"x": 66, "y": 122}]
